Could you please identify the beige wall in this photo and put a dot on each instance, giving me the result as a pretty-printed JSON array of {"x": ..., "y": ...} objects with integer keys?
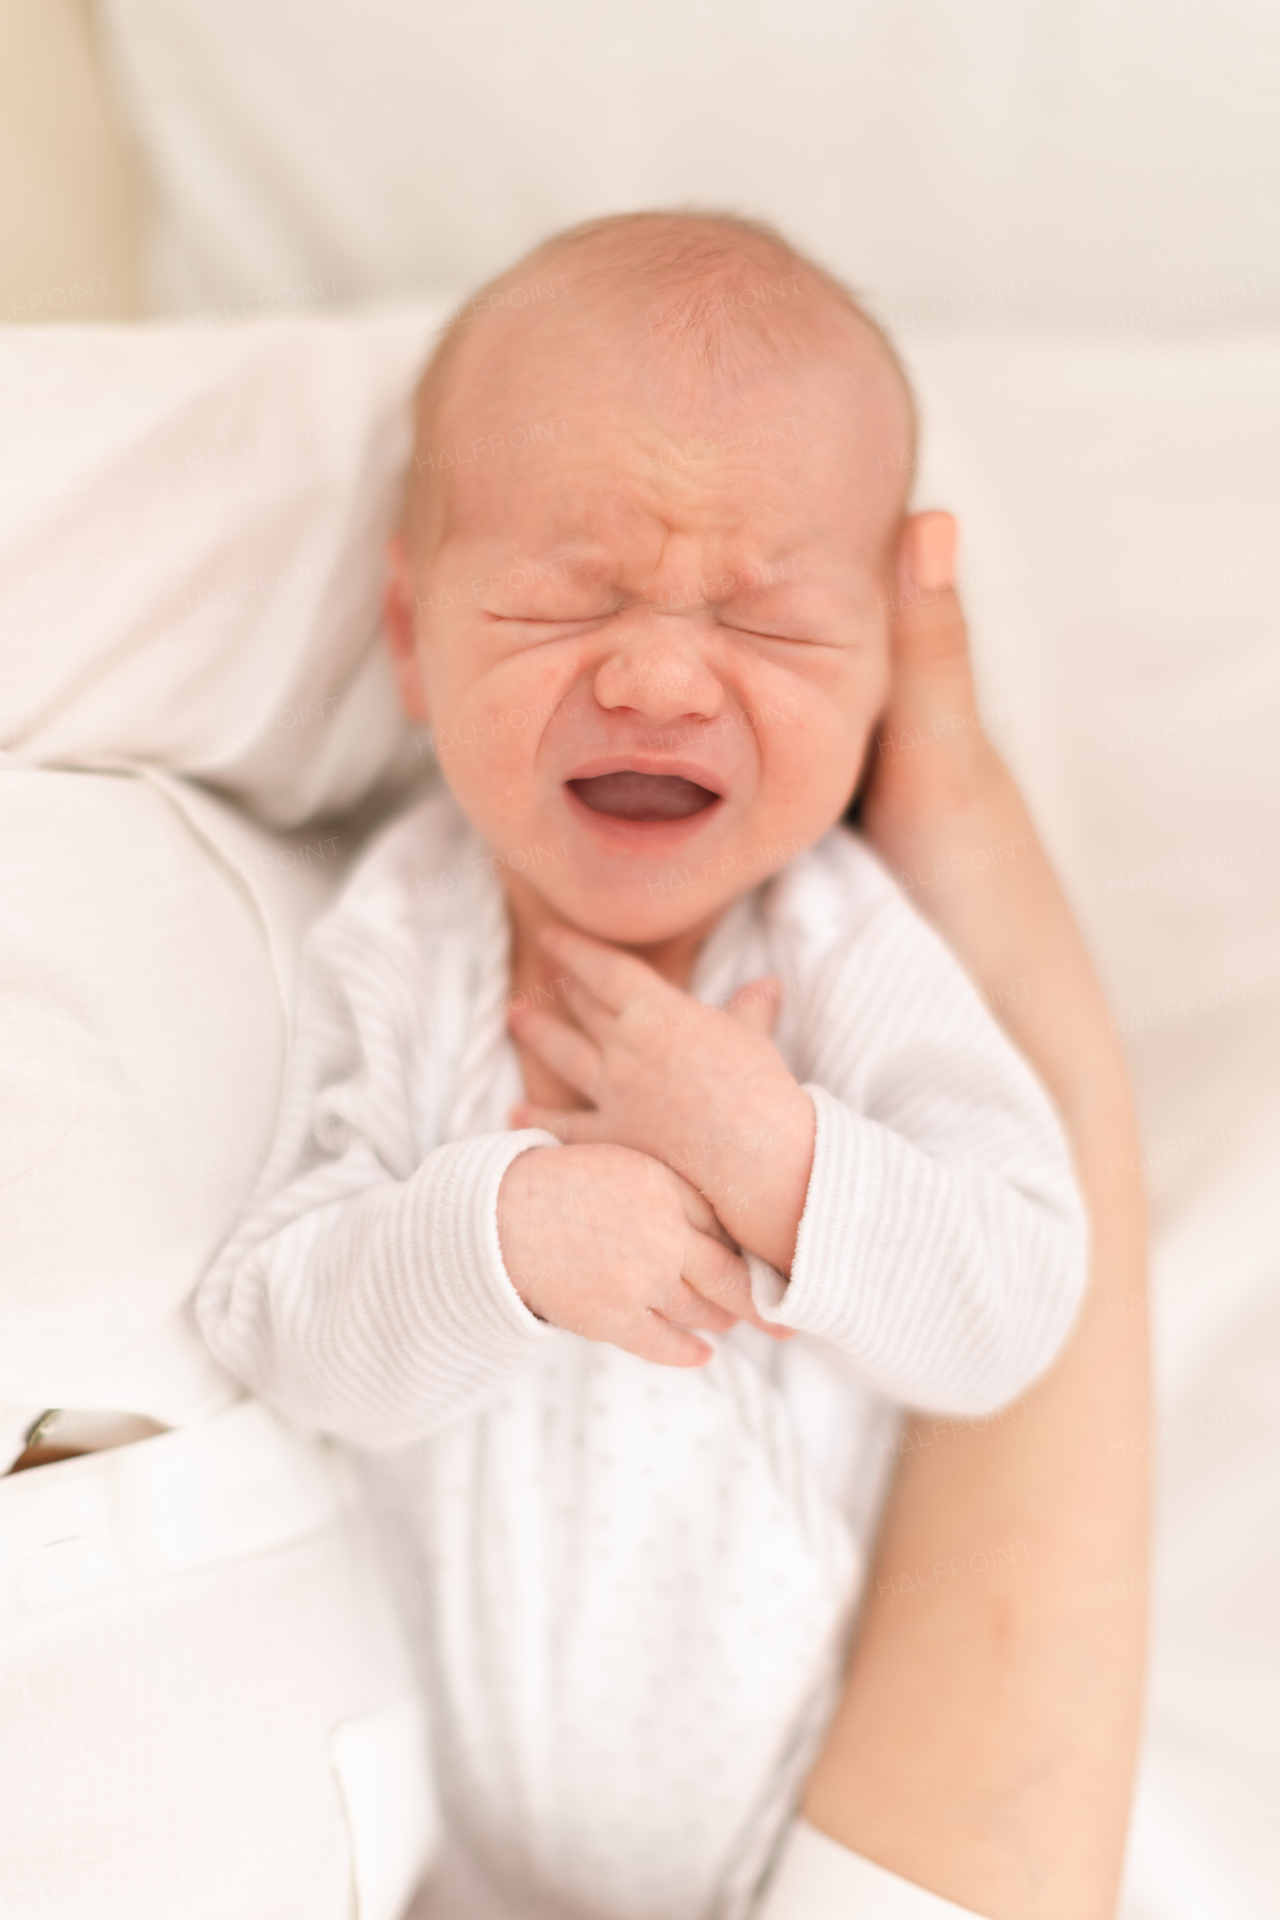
[{"x": 68, "y": 200}]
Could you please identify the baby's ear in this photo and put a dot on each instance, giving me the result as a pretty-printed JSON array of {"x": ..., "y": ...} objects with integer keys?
[{"x": 398, "y": 609}]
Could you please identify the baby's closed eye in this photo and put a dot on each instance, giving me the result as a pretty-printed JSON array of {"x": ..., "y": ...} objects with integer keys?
[{"x": 566, "y": 621}]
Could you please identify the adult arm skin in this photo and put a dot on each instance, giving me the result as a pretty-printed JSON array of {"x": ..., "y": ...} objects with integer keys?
[{"x": 986, "y": 1742}]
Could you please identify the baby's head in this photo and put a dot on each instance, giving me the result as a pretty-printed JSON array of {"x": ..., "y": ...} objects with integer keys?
[{"x": 642, "y": 587}]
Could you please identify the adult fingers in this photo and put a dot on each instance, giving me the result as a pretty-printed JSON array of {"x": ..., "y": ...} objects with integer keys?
[
  {"x": 931, "y": 685},
  {"x": 925, "y": 625}
]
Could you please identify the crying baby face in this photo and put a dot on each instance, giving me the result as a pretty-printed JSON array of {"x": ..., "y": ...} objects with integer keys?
[{"x": 642, "y": 592}]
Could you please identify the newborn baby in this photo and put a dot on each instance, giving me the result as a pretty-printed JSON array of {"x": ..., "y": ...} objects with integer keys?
[{"x": 551, "y": 1191}]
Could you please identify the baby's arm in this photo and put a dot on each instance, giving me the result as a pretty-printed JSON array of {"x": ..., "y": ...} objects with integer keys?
[
  {"x": 940, "y": 1243},
  {"x": 363, "y": 1294},
  {"x": 701, "y": 1089},
  {"x": 380, "y": 1297}
]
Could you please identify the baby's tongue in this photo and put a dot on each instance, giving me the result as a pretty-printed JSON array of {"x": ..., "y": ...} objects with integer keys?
[{"x": 643, "y": 796}]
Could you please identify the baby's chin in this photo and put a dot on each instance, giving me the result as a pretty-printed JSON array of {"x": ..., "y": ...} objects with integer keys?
[{"x": 682, "y": 905}]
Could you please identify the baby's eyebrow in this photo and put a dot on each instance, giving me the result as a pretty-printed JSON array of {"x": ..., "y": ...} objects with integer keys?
[
  {"x": 590, "y": 574},
  {"x": 574, "y": 570},
  {"x": 525, "y": 574}
]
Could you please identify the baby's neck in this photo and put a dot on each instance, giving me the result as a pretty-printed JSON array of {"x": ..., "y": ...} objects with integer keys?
[{"x": 532, "y": 971}]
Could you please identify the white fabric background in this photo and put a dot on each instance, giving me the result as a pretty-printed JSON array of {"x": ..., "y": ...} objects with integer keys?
[
  {"x": 1117, "y": 527},
  {"x": 194, "y": 528},
  {"x": 1060, "y": 162},
  {"x": 1067, "y": 218}
]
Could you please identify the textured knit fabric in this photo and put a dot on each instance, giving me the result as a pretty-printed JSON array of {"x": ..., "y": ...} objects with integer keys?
[{"x": 632, "y": 1585}]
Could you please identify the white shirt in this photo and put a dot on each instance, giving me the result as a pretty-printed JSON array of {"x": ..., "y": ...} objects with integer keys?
[
  {"x": 941, "y": 1253},
  {"x": 631, "y": 1586}
]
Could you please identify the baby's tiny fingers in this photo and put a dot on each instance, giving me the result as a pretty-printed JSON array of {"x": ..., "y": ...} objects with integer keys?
[
  {"x": 591, "y": 1014},
  {"x": 683, "y": 1306},
  {"x": 665, "y": 1345},
  {"x": 718, "y": 1274},
  {"x": 565, "y": 1050},
  {"x": 756, "y": 1005},
  {"x": 724, "y": 1279},
  {"x": 615, "y": 978}
]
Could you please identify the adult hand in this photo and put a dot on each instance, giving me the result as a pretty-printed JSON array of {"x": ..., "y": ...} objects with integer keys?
[
  {"x": 986, "y": 1743},
  {"x": 942, "y": 810}
]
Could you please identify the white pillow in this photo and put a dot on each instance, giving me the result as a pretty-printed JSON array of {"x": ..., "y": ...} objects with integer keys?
[
  {"x": 192, "y": 549},
  {"x": 1057, "y": 162},
  {"x": 146, "y": 955}
]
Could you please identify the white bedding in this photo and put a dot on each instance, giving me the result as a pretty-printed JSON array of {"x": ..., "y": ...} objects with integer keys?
[
  {"x": 1117, "y": 513},
  {"x": 194, "y": 528},
  {"x": 1065, "y": 219}
]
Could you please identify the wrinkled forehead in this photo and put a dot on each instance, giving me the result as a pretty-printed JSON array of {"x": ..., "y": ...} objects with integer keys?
[{"x": 552, "y": 422}]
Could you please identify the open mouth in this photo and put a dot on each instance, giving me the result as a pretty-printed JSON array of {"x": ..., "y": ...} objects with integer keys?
[{"x": 643, "y": 796}]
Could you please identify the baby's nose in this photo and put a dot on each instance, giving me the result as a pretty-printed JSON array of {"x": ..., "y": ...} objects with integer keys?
[{"x": 659, "y": 671}]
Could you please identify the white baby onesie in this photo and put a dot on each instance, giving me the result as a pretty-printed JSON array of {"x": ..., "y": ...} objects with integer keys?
[{"x": 632, "y": 1586}]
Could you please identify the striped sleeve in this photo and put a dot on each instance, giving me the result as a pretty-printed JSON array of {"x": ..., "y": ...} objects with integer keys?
[
  {"x": 365, "y": 1293},
  {"x": 942, "y": 1247}
]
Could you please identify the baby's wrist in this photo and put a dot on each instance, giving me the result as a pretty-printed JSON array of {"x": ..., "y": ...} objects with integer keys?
[
  {"x": 758, "y": 1181},
  {"x": 516, "y": 1203}
]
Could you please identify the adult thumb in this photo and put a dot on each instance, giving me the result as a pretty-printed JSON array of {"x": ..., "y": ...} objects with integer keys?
[{"x": 930, "y": 645}]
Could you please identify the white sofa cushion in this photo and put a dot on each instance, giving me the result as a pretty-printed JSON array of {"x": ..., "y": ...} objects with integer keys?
[
  {"x": 145, "y": 961},
  {"x": 192, "y": 549}
]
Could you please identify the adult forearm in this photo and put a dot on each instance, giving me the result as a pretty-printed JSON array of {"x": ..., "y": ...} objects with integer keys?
[
  {"x": 986, "y": 1743},
  {"x": 985, "y": 1746}
]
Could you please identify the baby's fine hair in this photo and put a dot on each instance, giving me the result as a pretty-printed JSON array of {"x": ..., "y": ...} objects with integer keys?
[{"x": 731, "y": 292}]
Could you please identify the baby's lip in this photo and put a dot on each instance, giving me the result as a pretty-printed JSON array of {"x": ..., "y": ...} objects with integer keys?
[{"x": 646, "y": 763}]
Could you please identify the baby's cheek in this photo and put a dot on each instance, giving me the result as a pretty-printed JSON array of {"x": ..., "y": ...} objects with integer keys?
[
  {"x": 810, "y": 765},
  {"x": 485, "y": 750}
]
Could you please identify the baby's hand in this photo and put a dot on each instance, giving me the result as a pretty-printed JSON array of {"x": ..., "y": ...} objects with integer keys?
[
  {"x": 708, "y": 1094},
  {"x": 609, "y": 1244}
]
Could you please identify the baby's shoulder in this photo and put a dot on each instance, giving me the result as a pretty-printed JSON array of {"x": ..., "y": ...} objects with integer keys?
[
  {"x": 838, "y": 917},
  {"x": 864, "y": 967},
  {"x": 426, "y": 859},
  {"x": 836, "y": 890},
  {"x": 411, "y": 898}
]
